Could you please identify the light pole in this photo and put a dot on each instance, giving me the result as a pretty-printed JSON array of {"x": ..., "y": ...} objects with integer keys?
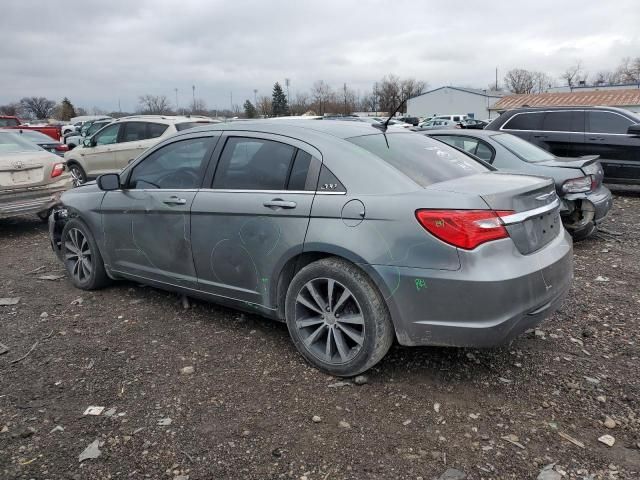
[
  {"x": 287, "y": 82},
  {"x": 255, "y": 97},
  {"x": 177, "y": 107},
  {"x": 193, "y": 88}
]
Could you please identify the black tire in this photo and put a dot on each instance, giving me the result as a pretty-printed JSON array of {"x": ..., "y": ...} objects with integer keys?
[
  {"x": 583, "y": 233},
  {"x": 44, "y": 215},
  {"x": 343, "y": 356},
  {"x": 82, "y": 261},
  {"x": 78, "y": 175}
]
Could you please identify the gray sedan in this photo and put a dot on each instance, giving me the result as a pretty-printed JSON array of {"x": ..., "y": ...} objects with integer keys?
[
  {"x": 585, "y": 200},
  {"x": 352, "y": 236}
]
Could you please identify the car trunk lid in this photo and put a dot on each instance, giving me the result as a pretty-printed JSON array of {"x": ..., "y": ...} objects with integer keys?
[
  {"x": 588, "y": 164},
  {"x": 535, "y": 220},
  {"x": 22, "y": 170}
]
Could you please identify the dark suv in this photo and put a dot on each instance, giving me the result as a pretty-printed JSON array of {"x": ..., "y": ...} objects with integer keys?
[{"x": 612, "y": 133}]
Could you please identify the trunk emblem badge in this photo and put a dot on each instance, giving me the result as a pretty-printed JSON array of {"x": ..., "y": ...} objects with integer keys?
[
  {"x": 544, "y": 196},
  {"x": 18, "y": 164}
]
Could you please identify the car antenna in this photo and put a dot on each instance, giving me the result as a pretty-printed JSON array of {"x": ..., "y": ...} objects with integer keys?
[{"x": 385, "y": 124}]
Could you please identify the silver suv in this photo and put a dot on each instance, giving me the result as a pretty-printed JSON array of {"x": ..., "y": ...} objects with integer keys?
[{"x": 111, "y": 148}]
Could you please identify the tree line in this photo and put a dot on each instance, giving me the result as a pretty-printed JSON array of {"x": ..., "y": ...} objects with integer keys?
[{"x": 520, "y": 80}]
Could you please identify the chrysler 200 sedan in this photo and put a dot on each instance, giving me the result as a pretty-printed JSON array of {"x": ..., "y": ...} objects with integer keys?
[{"x": 351, "y": 235}]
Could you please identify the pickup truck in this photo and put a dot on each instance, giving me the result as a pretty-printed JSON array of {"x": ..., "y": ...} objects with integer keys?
[{"x": 8, "y": 121}]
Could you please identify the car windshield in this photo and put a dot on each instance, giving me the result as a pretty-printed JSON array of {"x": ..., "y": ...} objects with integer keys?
[
  {"x": 94, "y": 127},
  {"x": 424, "y": 160},
  {"x": 522, "y": 149},
  {"x": 12, "y": 143}
]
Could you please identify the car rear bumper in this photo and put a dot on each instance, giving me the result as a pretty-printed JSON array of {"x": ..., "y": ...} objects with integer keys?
[
  {"x": 597, "y": 202},
  {"x": 29, "y": 201},
  {"x": 497, "y": 294}
]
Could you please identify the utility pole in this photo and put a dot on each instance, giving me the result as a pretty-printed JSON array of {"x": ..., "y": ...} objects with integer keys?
[
  {"x": 345, "y": 98},
  {"x": 287, "y": 82},
  {"x": 177, "y": 106},
  {"x": 496, "y": 78},
  {"x": 231, "y": 99},
  {"x": 255, "y": 97},
  {"x": 193, "y": 87}
]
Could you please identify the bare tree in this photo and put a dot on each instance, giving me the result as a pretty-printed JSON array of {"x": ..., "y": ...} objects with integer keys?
[
  {"x": 574, "y": 75},
  {"x": 389, "y": 92},
  {"x": 154, "y": 104},
  {"x": 264, "y": 105},
  {"x": 320, "y": 93},
  {"x": 541, "y": 82},
  {"x": 607, "y": 77},
  {"x": 37, "y": 107},
  {"x": 519, "y": 81},
  {"x": 198, "y": 107},
  {"x": 409, "y": 88},
  {"x": 12, "y": 109},
  {"x": 630, "y": 70},
  {"x": 299, "y": 104}
]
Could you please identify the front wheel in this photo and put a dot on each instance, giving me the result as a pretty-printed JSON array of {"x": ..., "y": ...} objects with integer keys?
[
  {"x": 337, "y": 318},
  {"x": 78, "y": 177},
  {"x": 81, "y": 257}
]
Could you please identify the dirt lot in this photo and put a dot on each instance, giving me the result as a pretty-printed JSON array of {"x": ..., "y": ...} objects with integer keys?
[{"x": 247, "y": 409}]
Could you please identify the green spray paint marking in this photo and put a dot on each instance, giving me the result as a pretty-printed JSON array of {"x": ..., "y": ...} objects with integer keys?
[{"x": 420, "y": 284}]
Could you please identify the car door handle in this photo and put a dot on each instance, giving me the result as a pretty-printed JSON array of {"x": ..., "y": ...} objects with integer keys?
[
  {"x": 595, "y": 138},
  {"x": 539, "y": 136},
  {"x": 277, "y": 203},
  {"x": 173, "y": 200}
]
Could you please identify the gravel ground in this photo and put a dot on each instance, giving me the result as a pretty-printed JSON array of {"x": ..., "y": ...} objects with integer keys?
[{"x": 246, "y": 408}]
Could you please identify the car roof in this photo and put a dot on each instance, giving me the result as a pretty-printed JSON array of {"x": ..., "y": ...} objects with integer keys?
[
  {"x": 469, "y": 132},
  {"x": 574, "y": 107},
  {"x": 336, "y": 128},
  {"x": 165, "y": 119}
]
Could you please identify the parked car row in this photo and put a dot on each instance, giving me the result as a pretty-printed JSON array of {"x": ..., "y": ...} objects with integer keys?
[{"x": 344, "y": 230}]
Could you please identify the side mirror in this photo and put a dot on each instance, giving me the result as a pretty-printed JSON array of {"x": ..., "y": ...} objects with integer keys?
[
  {"x": 634, "y": 129},
  {"x": 109, "y": 182},
  {"x": 87, "y": 142}
]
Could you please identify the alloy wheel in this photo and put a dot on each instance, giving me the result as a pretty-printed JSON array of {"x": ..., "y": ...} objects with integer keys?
[
  {"x": 329, "y": 320},
  {"x": 77, "y": 255},
  {"x": 77, "y": 176}
]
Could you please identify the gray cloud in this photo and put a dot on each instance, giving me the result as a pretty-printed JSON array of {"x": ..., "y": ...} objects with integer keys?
[{"x": 97, "y": 53}]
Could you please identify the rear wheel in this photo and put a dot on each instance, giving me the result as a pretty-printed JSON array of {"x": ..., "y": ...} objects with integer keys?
[
  {"x": 78, "y": 176},
  {"x": 81, "y": 257},
  {"x": 337, "y": 318}
]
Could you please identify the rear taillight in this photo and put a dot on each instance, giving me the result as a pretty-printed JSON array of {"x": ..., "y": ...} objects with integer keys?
[
  {"x": 62, "y": 147},
  {"x": 464, "y": 228},
  {"x": 57, "y": 170},
  {"x": 580, "y": 184}
]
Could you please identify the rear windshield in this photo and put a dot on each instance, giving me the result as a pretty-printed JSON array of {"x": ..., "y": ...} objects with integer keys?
[
  {"x": 424, "y": 160},
  {"x": 522, "y": 149},
  {"x": 187, "y": 125},
  {"x": 12, "y": 143},
  {"x": 9, "y": 122},
  {"x": 34, "y": 136}
]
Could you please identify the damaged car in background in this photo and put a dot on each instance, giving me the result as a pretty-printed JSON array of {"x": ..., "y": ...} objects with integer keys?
[
  {"x": 585, "y": 200},
  {"x": 352, "y": 235},
  {"x": 31, "y": 179}
]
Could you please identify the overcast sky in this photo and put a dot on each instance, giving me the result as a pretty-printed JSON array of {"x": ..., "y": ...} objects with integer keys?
[{"x": 97, "y": 53}]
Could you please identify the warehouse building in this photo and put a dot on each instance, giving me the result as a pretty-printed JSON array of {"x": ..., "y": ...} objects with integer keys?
[{"x": 454, "y": 100}]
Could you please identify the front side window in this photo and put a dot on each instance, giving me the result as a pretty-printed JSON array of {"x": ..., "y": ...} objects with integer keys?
[
  {"x": 607, "y": 122},
  {"x": 525, "y": 121},
  {"x": 253, "y": 164},
  {"x": 107, "y": 136},
  {"x": 522, "y": 149},
  {"x": 424, "y": 160},
  {"x": 178, "y": 165}
]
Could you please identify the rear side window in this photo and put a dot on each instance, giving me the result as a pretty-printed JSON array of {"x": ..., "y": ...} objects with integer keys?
[
  {"x": 300, "y": 171},
  {"x": 563, "y": 121},
  {"x": 154, "y": 130},
  {"x": 607, "y": 122},
  {"x": 12, "y": 143},
  {"x": 187, "y": 125},
  {"x": 525, "y": 121},
  {"x": 9, "y": 122},
  {"x": 254, "y": 164},
  {"x": 424, "y": 160},
  {"x": 134, "y": 131}
]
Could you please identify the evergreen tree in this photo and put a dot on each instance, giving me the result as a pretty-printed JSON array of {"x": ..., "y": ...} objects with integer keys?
[
  {"x": 249, "y": 109},
  {"x": 279, "y": 105},
  {"x": 67, "y": 111}
]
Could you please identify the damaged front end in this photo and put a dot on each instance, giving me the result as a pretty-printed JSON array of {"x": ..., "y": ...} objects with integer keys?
[{"x": 57, "y": 220}]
